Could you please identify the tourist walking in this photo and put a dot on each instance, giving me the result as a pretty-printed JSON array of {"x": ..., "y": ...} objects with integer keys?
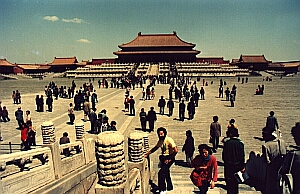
[
  {"x": 181, "y": 110},
  {"x": 19, "y": 117},
  {"x": 227, "y": 94},
  {"x": 215, "y": 133},
  {"x": 205, "y": 173},
  {"x": 28, "y": 116},
  {"x": 14, "y": 97},
  {"x": 170, "y": 106},
  {"x": 272, "y": 153},
  {"x": 151, "y": 117},
  {"x": 143, "y": 119},
  {"x": 126, "y": 103},
  {"x": 161, "y": 105},
  {"x": 49, "y": 102},
  {"x": 232, "y": 97},
  {"x": 272, "y": 122},
  {"x": 221, "y": 91},
  {"x": 24, "y": 136},
  {"x": 188, "y": 147},
  {"x": 131, "y": 106},
  {"x": 167, "y": 158},
  {"x": 233, "y": 156},
  {"x": 86, "y": 109},
  {"x": 202, "y": 92},
  {"x": 41, "y": 104},
  {"x": 71, "y": 114},
  {"x": 18, "y": 97},
  {"x": 31, "y": 134},
  {"x": 191, "y": 109},
  {"x": 5, "y": 117},
  {"x": 93, "y": 121}
]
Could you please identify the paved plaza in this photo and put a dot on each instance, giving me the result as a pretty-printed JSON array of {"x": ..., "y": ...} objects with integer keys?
[{"x": 250, "y": 112}]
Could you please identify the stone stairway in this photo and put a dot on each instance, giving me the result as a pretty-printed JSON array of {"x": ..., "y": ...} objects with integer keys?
[{"x": 153, "y": 69}]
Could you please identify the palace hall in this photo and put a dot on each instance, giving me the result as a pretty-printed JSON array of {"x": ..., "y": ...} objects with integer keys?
[{"x": 155, "y": 48}]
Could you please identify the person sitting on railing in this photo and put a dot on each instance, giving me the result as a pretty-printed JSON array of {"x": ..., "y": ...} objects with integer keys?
[{"x": 64, "y": 140}]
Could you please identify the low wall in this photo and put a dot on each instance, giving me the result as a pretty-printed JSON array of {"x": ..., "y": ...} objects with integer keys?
[
  {"x": 51, "y": 169},
  {"x": 31, "y": 171}
]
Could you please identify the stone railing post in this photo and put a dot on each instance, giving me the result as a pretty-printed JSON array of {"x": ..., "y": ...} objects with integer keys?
[
  {"x": 137, "y": 147},
  {"x": 110, "y": 158},
  {"x": 49, "y": 141},
  {"x": 88, "y": 144}
]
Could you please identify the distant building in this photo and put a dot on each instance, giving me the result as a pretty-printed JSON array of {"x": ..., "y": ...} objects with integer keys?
[
  {"x": 100, "y": 61},
  {"x": 212, "y": 60},
  {"x": 32, "y": 68},
  {"x": 63, "y": 64},
  {"x": 156, "y": 48},
  {"x": 290, "y": 67},
  {"x": 6, "y": 67},
  {"x": 252, "y": 62}
]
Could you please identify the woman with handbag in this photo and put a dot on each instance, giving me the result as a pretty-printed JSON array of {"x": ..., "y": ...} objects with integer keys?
[{"x": 205, "y": 171}]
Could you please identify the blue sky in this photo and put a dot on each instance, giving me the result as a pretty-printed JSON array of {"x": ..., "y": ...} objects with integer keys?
[{"x": 34, "y": 31}]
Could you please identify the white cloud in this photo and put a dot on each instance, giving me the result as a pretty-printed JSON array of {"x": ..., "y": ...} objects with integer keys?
[
  {"x": 51, "y": 18},
  {"x": 84, "y": 40},
  {"x": 74, "y": 20}
]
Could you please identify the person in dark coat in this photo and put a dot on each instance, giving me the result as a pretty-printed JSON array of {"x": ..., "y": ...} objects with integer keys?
[
  {"x": 49, "y": 102},
  {"x": 202, "y": 92},
  {"x": 196, "y": 98},
  {"x": 215, "y": 133},
  {"x": 170, "y": 105},
  {"x": 131, "y": 106},
  {"x": 181, "y": 110},
  {"x": 233, "y": 156},
  {"x": 151, "y": 118},
  {"x": 227, "y": 94},
  {"x": 93, "y": 120},
  {"x": 161, "y": 105},
  {"x": 41, "y": 103},
  {"x": 189, "y": 147},
  {"x": 191, "y": 109},
  {"x": 143, "y": 119},
  {"x": 19, "y": 117}
]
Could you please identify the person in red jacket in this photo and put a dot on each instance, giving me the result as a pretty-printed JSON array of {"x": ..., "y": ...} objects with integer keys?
[
  {"x": 24, "y": 136},
  {"x": 205, "y": 171}
]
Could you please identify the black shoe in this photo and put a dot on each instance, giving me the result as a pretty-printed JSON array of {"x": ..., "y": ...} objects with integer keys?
[{"x": 170, "y": 188}]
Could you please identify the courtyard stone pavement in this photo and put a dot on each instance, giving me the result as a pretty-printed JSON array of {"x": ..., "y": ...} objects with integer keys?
[{"x": 250, "y": 113}]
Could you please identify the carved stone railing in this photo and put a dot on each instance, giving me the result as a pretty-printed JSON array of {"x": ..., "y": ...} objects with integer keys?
[
  {"x": 66, "y": 168},
  {"x": 22, "y": 172}
]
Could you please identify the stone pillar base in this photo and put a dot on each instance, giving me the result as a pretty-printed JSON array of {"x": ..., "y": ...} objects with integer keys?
[{"x": 120, "y": 189}]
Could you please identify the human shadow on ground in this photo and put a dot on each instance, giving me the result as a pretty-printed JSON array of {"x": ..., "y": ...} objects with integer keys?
[
  {"x": 182, "y": 163},
  {"x": 259, "y": 138},
  {"x": 220, "y": 163},
  {"x": 177, "y": 119},
  {"x": 154, "y": 187},
  {"x": 140, "y": 129}
]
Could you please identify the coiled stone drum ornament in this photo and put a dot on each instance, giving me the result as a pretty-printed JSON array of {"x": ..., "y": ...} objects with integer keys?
[{"x": 110, "y": 158}]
